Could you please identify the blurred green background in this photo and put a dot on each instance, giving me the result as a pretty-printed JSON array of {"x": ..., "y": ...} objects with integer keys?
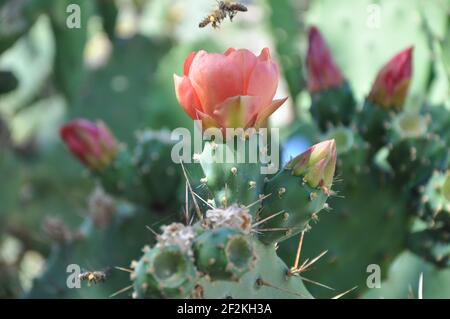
[{"x": 118, "y": 67}]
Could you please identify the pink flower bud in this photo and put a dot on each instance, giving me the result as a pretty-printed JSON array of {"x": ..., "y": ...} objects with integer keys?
[
  {"x": 391, "y": 85},
  {"x": 316, "y": 165},
  {"x": 92, "y": 143},
  {"x": 322, "y": 71}
]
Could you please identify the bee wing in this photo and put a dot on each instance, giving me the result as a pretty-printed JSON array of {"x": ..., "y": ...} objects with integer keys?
[{"x": 107, "y": 271}]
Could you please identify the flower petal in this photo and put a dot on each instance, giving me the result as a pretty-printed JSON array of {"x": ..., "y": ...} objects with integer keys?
[
  {"x": 207, "y": 120},
  {"x": 245, "y": 61},
  {"x": 264, "y": 113},
  {"x": 188, "y": 62},
  {"x": 215, "y": 78},
  {"x": 186, "y": 95},
  {"x": 233, "y": 113},
  {"x": 264, "y": 79},
  {"x": 229, "y": 51}
]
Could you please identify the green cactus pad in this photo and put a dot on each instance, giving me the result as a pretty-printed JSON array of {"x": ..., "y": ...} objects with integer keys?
[
  {"x": 137, "y": 175},
  {"x": 120, "y": 177},
  {"x": 414, "y": 159},
  {"x": 360, "y": 230},
  {"x": 268, "y": 279},
  {"x": 333, "y": 107},
  {"x": 228, "y": 182},
  {"x": 289, "y": 208},
  {"x": 373, "y": 123},
  {"x": 159, "y": 176}
]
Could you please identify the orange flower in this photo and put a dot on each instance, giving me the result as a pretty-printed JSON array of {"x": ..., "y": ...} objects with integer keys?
[
  {"x": 391, "y": 85},
  {"x": 230, "y": 90},
  {"x": 322, "y": 71}
]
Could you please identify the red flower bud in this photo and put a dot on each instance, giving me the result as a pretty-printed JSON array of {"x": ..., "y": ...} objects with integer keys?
[
  {"x": 322, "y": 71},
  {"x": 92, "y": 143},
  {"x": 391, "y": 85}
]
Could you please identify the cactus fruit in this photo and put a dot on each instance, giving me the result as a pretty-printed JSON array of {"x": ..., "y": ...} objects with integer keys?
[
  {"x": 164, "y": 272},
  {"x": 223, "y": 253}
]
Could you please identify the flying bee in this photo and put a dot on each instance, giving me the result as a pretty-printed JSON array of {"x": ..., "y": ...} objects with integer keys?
[
  {"x": 215, "y": 18},
  {"x": 232, "y": 8},
  {"x": 225, "y": 9},
  {"x": 93, "y": 277}
]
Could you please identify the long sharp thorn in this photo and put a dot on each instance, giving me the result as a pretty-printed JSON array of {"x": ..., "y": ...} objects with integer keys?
[
  {"x": 204, "y": 201},
  {"x": 186, "y": 200},
  {"x": 274, "y": 229},
  {"x": 151, "y": 229},
  {"x": 315, "y": 259},
  {"x": 121, "y": 291},
  {"x": 226, "y": 195},
  {"x": 300, "y": 269},
  {"x": 344, "y": 293},
  {"x": 266, "y": 219},
  {"x": 299, "y": 250},
  {"x": 257, "y": 201},
  {"x": 265, "y": 283},
  {"x": 316, "y": 283},
  {"x": 197, "y": 208},
  {"x": 124, "y": 269}
]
